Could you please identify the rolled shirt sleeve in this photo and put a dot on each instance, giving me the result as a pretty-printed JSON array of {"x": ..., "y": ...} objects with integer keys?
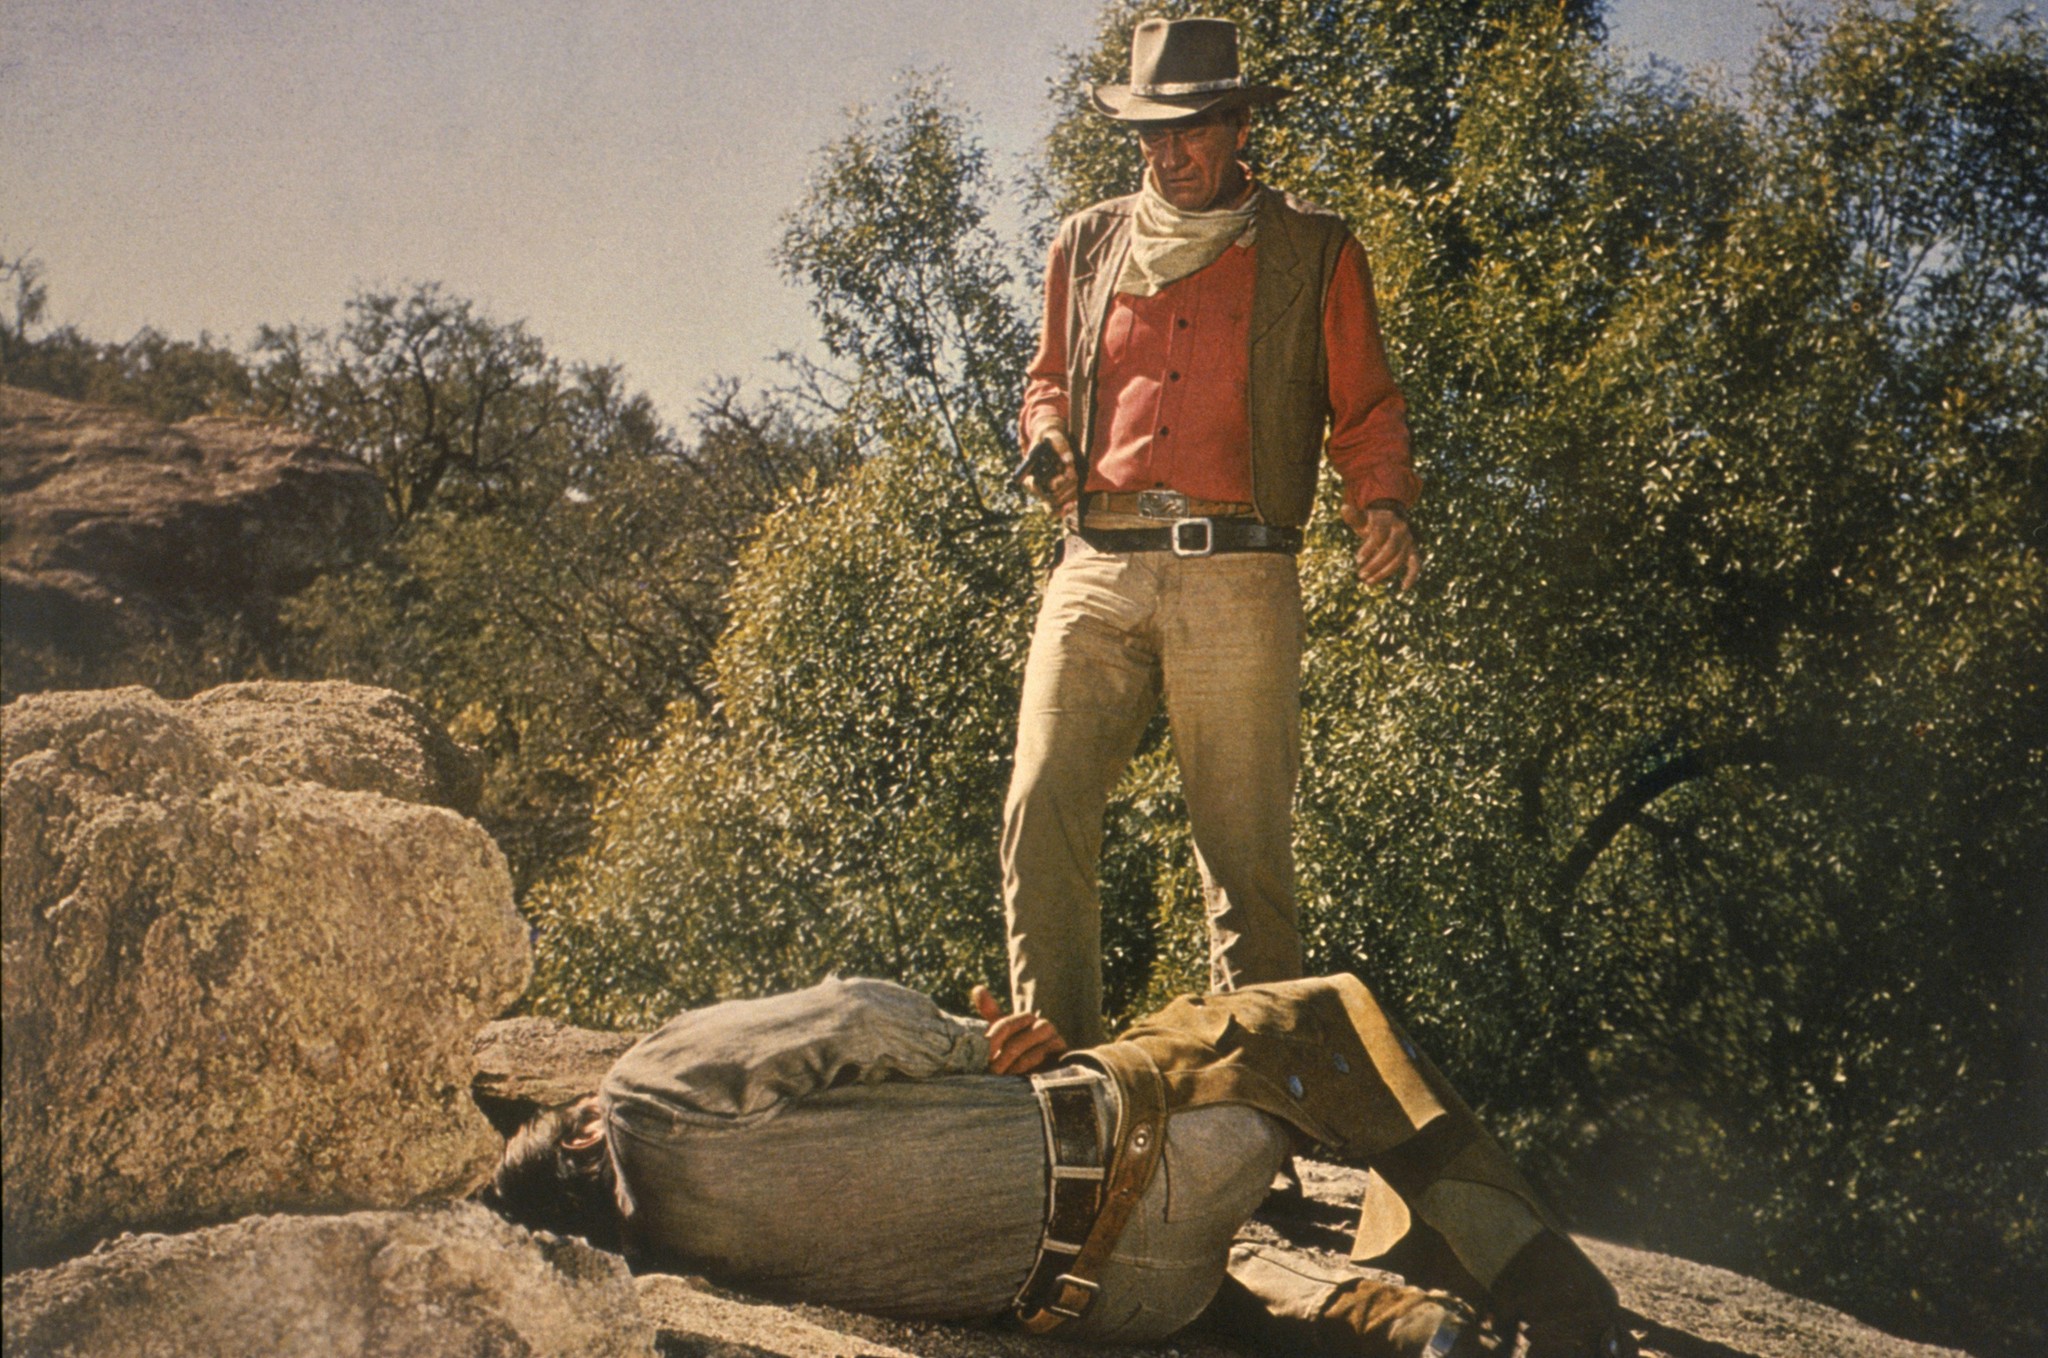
[{"x": 1045, "y": 381}]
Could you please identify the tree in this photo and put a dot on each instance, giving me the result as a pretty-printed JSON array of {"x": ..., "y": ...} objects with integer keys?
[
  {"x": 841, "y": 814},
  {"x": 435, "y": 397},
  {"x": 1698, "y": 802},
  {"x": 913, "y": 292},
  {"x": 839, "y": 809},
  {"x": 1377, "y": 90},
  {"x": 23, "y": 276},
  {"x": 558, "y": 577},
  {"x": 167, "y": 379}
]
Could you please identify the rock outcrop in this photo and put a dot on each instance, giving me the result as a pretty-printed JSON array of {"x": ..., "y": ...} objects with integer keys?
[
  {"x": 230, "y": 990},
  {"x": 452, "y": 1281},
  {"x": 122, "y": 539},
  {"x": 1680, "y": 1310}
]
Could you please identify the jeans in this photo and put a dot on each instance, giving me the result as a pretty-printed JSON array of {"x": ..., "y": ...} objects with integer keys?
[{"x": 1219, "y": 638}]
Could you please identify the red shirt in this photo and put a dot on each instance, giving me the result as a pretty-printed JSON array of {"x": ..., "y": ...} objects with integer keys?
[{"x": 1171, "y": 385}]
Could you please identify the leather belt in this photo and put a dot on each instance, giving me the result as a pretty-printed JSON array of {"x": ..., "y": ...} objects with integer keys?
[
  {"x": 1062, "y": 1284},
  {"x": 1162, "y": 504},
  {"x": 1073, "y": 1144},
  {"x": 1195, "y": 537}
]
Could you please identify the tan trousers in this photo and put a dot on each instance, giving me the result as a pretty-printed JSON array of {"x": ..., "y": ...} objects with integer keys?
[{"x": 1220, "y": 639}]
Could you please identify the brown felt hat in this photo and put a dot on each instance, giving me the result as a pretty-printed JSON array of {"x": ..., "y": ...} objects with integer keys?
[{"x": 1181, "y": 67}]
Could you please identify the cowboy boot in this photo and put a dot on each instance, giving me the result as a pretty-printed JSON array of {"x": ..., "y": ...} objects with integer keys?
[
  {"x": 1566, "y": 1306},
  {"x": 1287, "y": 1305},
  {"x": 1366, "y": 1316}
]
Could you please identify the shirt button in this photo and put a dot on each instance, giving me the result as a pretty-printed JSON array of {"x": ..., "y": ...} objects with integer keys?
[
  {"x": 1294, "y": 1085},
  {"x": 1181, "y": 324},
  {"x": 1337, "y": 1060},
  {"x": 1162, "y": 431},
  {"x": 1173, "y": 377}
]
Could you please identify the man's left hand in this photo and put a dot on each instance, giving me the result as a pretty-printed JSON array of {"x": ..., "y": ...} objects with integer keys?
[
  {"x": 1386, "y": 547},
  {"x": 1017, "y": 1043}
]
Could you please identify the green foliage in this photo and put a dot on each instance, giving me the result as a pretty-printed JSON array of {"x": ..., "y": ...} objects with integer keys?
[
  {"x": 166, "y": 379},
  {"x": 1695, "y": 812},
  {"x": 1378, "y": 86},
  {"x": 436, "y": 398},
  {"x": 844, "y": 816},
  {"x": 913, "y": 292},
  {"x": 558, "y": 577},
  {"x": 1701, "y": 825},
  {"x": 838, "y": 810}
]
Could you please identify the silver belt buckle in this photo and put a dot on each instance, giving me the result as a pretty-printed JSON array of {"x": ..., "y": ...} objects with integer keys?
[
  {"x": 1193, "y": 537},
  {"x": 1162, "y": 504}
]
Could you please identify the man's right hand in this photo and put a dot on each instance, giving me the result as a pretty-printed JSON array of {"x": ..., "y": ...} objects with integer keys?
[
  {"x": 1064, "y": 487},
  {"x": 1017, "y": 1043}
]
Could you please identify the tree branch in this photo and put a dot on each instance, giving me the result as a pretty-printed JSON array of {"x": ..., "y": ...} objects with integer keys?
[{"x": 1619, "y": 811}]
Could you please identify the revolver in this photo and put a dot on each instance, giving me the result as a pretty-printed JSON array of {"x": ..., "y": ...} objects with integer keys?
[{"x": 1037, "y": 467}]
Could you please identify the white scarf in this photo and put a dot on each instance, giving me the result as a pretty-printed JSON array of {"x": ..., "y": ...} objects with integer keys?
[{"x": 1168, "y": 244}]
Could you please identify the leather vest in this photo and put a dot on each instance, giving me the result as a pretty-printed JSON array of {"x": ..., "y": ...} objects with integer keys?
[{"x": 1287, "y": 394}]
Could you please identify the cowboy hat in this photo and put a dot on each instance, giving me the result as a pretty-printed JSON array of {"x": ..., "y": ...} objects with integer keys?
[{"x": 1181, "y": 67}]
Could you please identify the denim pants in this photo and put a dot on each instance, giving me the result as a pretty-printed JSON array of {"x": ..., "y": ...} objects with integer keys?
[{"x": 1219, "y": 638}]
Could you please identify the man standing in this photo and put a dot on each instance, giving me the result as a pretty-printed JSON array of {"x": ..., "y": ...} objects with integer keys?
[{"x": 1204, "y": 341}]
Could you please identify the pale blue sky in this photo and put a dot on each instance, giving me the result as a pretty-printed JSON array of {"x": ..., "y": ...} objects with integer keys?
[{"x": 609, "y": 170}]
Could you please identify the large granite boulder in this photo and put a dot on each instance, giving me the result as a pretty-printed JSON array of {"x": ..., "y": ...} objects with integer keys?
[
  {"x": 229, "y": 989},
  {"x": 130, "y": 548},
  {"x": 453, "y": 1281}
]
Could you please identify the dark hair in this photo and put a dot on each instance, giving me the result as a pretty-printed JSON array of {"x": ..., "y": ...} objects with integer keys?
[{"x": 544, "y": 1185}]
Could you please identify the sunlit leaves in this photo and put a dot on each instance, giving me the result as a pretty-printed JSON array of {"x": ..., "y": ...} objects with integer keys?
[
  {"x": 558, "y": 577},
  {"x": 845, "y": 817},
  {"x": 912, "y": 291}
]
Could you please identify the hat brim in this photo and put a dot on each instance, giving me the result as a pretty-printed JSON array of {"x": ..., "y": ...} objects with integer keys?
[{"x": 1117, "y": 101}]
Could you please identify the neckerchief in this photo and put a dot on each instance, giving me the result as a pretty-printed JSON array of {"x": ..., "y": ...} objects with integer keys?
[{"x": 1168, "y": 244}]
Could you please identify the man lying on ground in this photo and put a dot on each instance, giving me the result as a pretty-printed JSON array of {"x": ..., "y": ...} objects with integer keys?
[{"x": 854, "y": 1145}]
